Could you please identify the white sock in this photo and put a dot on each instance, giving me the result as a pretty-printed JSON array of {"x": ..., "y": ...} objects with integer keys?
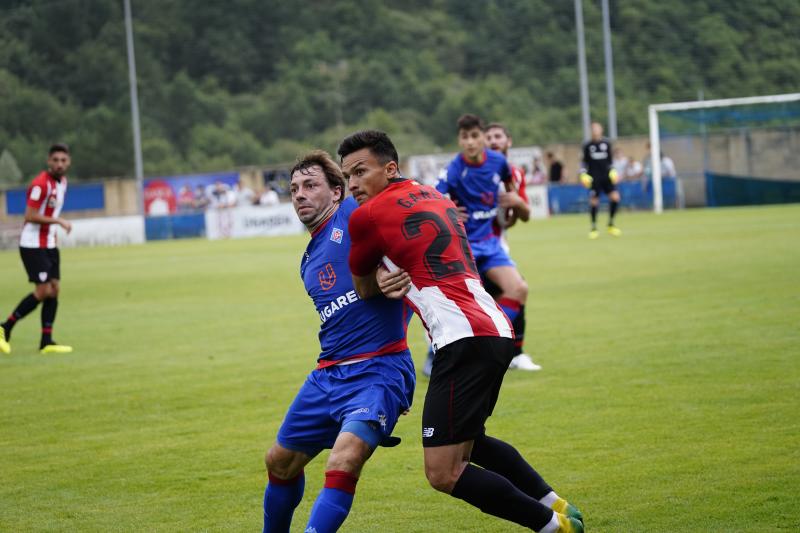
[
  {"x": 549, "y": 499},
  {"x": 552, "y": 525}
]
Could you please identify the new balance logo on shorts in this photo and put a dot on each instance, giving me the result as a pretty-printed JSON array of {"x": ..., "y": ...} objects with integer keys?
[{"x": 427, "y": 433}]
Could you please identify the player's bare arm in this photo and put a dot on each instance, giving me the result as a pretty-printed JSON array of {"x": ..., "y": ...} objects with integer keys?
[{"x": 366, "y": 286}]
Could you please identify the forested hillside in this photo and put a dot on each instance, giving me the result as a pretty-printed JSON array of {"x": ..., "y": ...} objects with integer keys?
[{"x": 239, "y": 82}]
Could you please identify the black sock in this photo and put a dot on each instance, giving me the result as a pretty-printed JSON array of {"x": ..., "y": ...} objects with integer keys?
[
  {"x": 24, "y": 308},
  {"x": 495, "y": 495},
  {"x": 49, "y": 307},
  {"x": 612, "y": 210},
  {"x": 594, "y": 216},
  {"x": 519, "y": 330},
  {"x": 502, "y": 458}
]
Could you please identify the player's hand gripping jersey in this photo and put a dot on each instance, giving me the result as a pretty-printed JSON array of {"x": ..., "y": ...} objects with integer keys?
[
  {"x": 352, "y": 329},
  {"x": 46, "y": 195},
  {"x": 417, "y": 229},
  {"x": 475, "y": 186}
]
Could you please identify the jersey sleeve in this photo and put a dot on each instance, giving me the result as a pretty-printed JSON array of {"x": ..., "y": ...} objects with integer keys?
[
  {"x": 585, "y": 160},
  {"x": 366, "y": 248},
  {"x": 36, "y": 194},
  {"x": 505, "y": 170},
  {"x": 443, "y": 183}
]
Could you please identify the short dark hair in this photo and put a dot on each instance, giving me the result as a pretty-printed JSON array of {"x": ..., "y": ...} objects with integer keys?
[
  {"x": 58, "y": 147},
  {"x": 469, "y": 122},
  {"x": 379, "y": 144},
  {"x": 322, "y": 159},
  {"x": 497, "y": 125}
]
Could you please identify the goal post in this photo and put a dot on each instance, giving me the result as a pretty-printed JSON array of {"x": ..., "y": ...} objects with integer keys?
[{"x": 655, "y": 134}]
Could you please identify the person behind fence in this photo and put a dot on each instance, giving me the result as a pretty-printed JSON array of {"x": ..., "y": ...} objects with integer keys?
[
  {"x": 555, "y": 169},
  {"x": 38, "y": 248}
]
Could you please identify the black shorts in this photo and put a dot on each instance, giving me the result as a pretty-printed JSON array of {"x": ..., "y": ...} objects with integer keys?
[
  {"x": 602, "y": 185},
  {"x": 464, "y": 386},
  {"x": 42, "y": 264}
]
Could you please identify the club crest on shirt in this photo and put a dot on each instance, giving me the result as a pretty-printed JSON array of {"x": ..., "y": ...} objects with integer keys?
[
  {"x": 327, "y": 277},
  {"x": 336, "y": 235}
]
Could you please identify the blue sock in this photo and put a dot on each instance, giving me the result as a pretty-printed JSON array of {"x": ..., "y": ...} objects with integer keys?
[
  {"x": 510, "y": 307},
  {"x": 281, "y": 497},
  {"x": 333, "y": 503}
]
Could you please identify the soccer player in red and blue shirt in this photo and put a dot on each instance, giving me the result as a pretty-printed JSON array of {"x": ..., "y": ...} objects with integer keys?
[
  {"x": 39, "y": 249},
  {"x": 474, "y": 180},
  {"x": 364, "y": 378},
  {"x": 414, "y": 231}
]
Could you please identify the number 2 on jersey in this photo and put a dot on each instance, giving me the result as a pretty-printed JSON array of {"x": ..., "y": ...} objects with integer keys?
[{"x": 438, "y": 267}]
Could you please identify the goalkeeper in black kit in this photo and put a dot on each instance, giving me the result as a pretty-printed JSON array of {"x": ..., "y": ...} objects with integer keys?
[{"x": 599, "y": 176}]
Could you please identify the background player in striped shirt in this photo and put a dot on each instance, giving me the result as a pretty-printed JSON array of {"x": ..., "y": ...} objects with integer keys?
[
  {"x": 364, "y": 377},
  {"x": 414, "y": 230},
  {"x": 39, "y": 249}
]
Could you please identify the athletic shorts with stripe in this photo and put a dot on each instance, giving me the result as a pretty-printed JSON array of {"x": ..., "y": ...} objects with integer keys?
[{"x": 377, "y": 390}]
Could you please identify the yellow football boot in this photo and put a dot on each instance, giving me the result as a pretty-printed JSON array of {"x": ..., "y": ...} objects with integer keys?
[
  {"x": 567, "y": 524},
  {"x": 593, "y": 234},
  {"x": 562, "y": 506},
  {"x": 5, "y": 347},
  {"x": 56, "y": 348},
  {"x": 615, "y": 231}
]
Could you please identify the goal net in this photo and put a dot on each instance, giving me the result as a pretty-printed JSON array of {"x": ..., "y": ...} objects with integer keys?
[{"x": 738, "y": 151}]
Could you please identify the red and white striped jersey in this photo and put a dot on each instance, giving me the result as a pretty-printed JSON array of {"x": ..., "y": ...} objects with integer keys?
[
  {"x": 46, "y": 195},
  {"x": 414, "y": 227}
]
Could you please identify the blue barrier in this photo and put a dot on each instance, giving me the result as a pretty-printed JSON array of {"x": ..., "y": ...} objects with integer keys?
[
  {"x": 175, "y": 227},
  {"x": 574, "y": 198},
  {"x": 723, "y": 190},
  {"x": 79, "y": 198}
]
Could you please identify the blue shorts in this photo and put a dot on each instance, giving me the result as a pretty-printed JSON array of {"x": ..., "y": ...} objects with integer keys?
[
  {"x": 489, "y": 253},
  {"x": 376, "y": 390}
]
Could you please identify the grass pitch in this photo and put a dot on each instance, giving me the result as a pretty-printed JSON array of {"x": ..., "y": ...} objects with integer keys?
[{"x": 668, "y": 401}]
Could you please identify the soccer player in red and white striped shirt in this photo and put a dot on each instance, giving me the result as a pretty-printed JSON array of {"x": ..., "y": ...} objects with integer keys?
[
  {"x": 39, "y": 251},
  {"x": 414, "y": 231}
]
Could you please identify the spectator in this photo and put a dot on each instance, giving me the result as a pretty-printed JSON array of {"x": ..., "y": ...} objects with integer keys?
[
  {"x": 200, "y": 198},
  {"x": 243, "y": 195},
  {"x": 556, "y": 169},
  {"x": 269, "y": 197},
  {"x": 185, "y": 199},
  {"x": 218, "y": 196},
  {"x": 627, "y": 168},
  {"x": 538, "y": 176},
  {"x": 667, "y": 167}
]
